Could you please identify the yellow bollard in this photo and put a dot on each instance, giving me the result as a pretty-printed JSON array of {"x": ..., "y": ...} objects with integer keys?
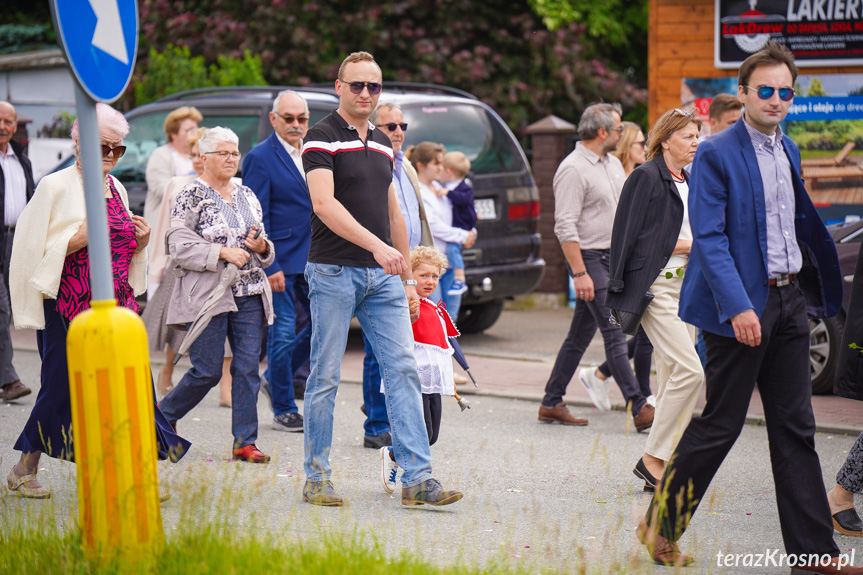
[{"x": 113, "y": 432}]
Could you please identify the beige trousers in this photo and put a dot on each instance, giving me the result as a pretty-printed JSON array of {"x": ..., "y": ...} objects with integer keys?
[{"x": 678, "y": 367}]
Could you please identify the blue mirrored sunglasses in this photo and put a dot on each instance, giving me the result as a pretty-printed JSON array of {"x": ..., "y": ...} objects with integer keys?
[{"x": 766, "y": 92}]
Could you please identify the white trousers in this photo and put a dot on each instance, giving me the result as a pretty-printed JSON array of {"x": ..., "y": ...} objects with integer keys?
[{"x": 678, "y": 367}]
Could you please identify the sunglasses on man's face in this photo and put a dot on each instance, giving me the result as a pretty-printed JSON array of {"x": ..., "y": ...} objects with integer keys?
[
  {"x": 766, "y": 92},
  {"x": 118, "y": 151},
  {"x": 357, "y": 87},
  {"x": 392, "y": 126},
  {"x": 290, "y": 119}
]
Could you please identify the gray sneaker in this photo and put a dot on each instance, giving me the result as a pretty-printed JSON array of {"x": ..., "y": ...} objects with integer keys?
[
  {"x": 429, "y": 492},
  {"x": 321, "y": 493},
  {"x": 288, "y": 422}
]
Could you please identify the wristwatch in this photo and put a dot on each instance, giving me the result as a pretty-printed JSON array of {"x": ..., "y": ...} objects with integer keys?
[{"x": 410, "y": 283}]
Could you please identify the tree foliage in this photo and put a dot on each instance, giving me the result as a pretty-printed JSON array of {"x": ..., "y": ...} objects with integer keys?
[
  {"x": 499, "y": 50},
  {"x": 175, "y": 70}
]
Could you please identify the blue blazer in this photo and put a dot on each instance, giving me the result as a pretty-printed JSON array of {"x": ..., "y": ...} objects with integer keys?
[
  {"x": 271, "y": 173},
  {"x": 727, "y": 271}
]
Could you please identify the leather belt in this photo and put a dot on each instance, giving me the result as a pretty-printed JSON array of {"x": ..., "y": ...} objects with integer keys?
[{"x": 782, "y": 280}]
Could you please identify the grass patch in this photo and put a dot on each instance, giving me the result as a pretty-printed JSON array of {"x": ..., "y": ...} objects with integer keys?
[{"x": 36, "y": 551}]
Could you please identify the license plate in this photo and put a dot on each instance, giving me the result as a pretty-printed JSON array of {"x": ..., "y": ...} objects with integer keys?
[{"x": 485, "y": 209}]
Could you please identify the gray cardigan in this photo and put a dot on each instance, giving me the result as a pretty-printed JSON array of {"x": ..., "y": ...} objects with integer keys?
[{"x": 198, "y": 269}]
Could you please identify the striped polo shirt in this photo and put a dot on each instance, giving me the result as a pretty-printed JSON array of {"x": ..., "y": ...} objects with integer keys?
[{"x": 362, "y": 175}]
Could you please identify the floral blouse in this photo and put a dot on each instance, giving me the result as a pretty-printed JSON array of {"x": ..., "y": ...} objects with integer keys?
[
  {"x": 224, "y": 223},
  {"x": 74, "y": 294}
]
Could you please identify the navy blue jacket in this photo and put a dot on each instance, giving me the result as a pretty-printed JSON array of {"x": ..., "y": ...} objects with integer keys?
[
  {"x": 463, "y": 211},
  {"x": 271, "y": 173}
]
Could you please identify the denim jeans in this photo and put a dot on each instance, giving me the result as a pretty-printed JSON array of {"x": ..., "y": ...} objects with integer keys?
[
  {"x": 337, "y": 293},
  {"x": 287, "y": 350},
  {"x": 244, "y": 329},
  {"x": 376, "y": 421},
  {"x": 585, "y": 319},
  {"x": 453, "y": 254},
  {"x": 452, "y": 302}
]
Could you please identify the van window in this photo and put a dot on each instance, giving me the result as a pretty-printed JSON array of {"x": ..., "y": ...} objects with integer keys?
[
  {"x": 468, "y": 129},
  {"x": 146, "y": 134}
]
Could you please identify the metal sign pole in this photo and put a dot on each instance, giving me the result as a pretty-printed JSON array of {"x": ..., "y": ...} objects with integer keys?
[{"x": 98, "y": 246}]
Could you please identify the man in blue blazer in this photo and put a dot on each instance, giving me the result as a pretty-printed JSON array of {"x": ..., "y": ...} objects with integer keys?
[
  {"x": 761, "y": 259},
  {"x": 274, "y": 171}
]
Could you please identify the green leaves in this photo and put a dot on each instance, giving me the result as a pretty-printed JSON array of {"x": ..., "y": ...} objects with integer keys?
[
  {"x": 175, "y": 70},
  {"x": 678, "y": 272}
]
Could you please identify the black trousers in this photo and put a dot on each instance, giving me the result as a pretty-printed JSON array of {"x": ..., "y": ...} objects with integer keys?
[
  {"x": 780, "y": 367},
  {"x": 432, "y": 413}
]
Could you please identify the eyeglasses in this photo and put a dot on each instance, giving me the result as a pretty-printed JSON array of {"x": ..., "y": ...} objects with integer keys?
[
  {"x": 683, "y": 112},
  {"x": 290, "y": 119},
  {"x": 643, "y": 144},
  {"x": 766, "y": 92},
  {"x": 617, "y": 129},
  {"x": 223, "y": 155},
  {"x": 392, "y": 126},
  {"x": 118, "y": 151},
  {"x": 357, "y": 87}
]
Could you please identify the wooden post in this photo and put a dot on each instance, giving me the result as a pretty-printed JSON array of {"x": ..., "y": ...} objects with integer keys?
[{"x": 549, "y": 148}]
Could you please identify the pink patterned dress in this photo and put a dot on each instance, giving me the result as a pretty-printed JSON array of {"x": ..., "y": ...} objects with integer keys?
[{"x": 74, "y": 294}]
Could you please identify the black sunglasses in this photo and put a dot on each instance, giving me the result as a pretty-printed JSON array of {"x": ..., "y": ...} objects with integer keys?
[
  {"x": 290, "y": 119},
  {"x": 766, "y": 92},
  {"x": 357, "y": 87},
  {"x": 392, "y": 126},
  {"x": 118, "y": 151}
]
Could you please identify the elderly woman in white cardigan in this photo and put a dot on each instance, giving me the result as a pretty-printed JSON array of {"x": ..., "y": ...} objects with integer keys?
[{"x": 50, "y": 284}]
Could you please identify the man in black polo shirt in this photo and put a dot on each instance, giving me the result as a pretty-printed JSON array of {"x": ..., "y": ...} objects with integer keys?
[{"x": 359, "y": 247}]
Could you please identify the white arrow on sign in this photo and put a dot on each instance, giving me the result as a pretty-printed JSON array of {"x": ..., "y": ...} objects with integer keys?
[{"x": 108, "y": 35}]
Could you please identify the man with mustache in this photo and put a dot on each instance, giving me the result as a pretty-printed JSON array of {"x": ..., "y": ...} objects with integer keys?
[
  {"x": 274, "y": 171},
  {"x": 16, "y": 189}
]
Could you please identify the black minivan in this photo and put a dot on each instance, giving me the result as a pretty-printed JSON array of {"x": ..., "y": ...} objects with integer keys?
[{"x": 504, "y": 262}]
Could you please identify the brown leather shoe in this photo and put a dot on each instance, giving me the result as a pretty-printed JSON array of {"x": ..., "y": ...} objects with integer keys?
[
  {"x": 663, "y": 551},
  {"x": 14, "y": 390},
  {"x": 832, "y": 568},
  {"x": 560, "y": 414},
  {"x": 644, "y": 420}
]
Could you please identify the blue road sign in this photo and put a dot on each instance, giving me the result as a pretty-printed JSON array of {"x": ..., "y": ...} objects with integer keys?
[{"x": 100, "y": 39}]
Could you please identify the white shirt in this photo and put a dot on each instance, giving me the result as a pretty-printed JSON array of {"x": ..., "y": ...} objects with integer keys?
[
  {"x": 439, "y": 214},
  {"x": 295, "y": 154},
  {"x": 16, "y": 186},
  {"x": 680, "y": 260}
]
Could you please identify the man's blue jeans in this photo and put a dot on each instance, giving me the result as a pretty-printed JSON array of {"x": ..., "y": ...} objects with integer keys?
[
  {"x": 337, "y": 293},
  {"x": 287, "y": 350},
  {"x": 376, "y": 421}
]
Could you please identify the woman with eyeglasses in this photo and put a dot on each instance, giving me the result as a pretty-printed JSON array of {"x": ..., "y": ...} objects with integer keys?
[
  {"x": 631, "y": 153},
  {"x": 215, "y": 222},
  {"x": 160, "y": 286},
  {"x": 50, "y": 284},
  {"x": 650, "y": 244}
]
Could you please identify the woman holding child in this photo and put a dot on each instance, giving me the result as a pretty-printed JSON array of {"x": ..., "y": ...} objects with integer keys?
[{"x": 427, "y": 159}]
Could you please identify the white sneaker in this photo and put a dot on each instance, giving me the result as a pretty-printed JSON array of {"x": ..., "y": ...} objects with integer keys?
[
  {"x": 389, "y": 469},
  {"x": 596, "y": 388},
  {"x": 651, "y": 400}
]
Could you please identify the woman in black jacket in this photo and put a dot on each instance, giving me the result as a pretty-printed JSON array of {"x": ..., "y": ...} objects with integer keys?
[{"x": 650, "y": 246}]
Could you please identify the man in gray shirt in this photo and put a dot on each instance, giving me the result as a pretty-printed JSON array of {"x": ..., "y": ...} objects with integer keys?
[{"x": 587, "y": 187}]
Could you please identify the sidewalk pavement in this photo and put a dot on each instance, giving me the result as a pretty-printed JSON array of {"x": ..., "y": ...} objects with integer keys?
[{"x": 504, "y": 375}]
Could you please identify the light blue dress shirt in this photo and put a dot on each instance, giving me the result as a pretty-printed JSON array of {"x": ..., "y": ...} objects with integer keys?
[{"x": 408, "y": 203}]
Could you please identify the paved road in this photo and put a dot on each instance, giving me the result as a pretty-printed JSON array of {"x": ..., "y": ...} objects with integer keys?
[{"x": 540, "y": 495}]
